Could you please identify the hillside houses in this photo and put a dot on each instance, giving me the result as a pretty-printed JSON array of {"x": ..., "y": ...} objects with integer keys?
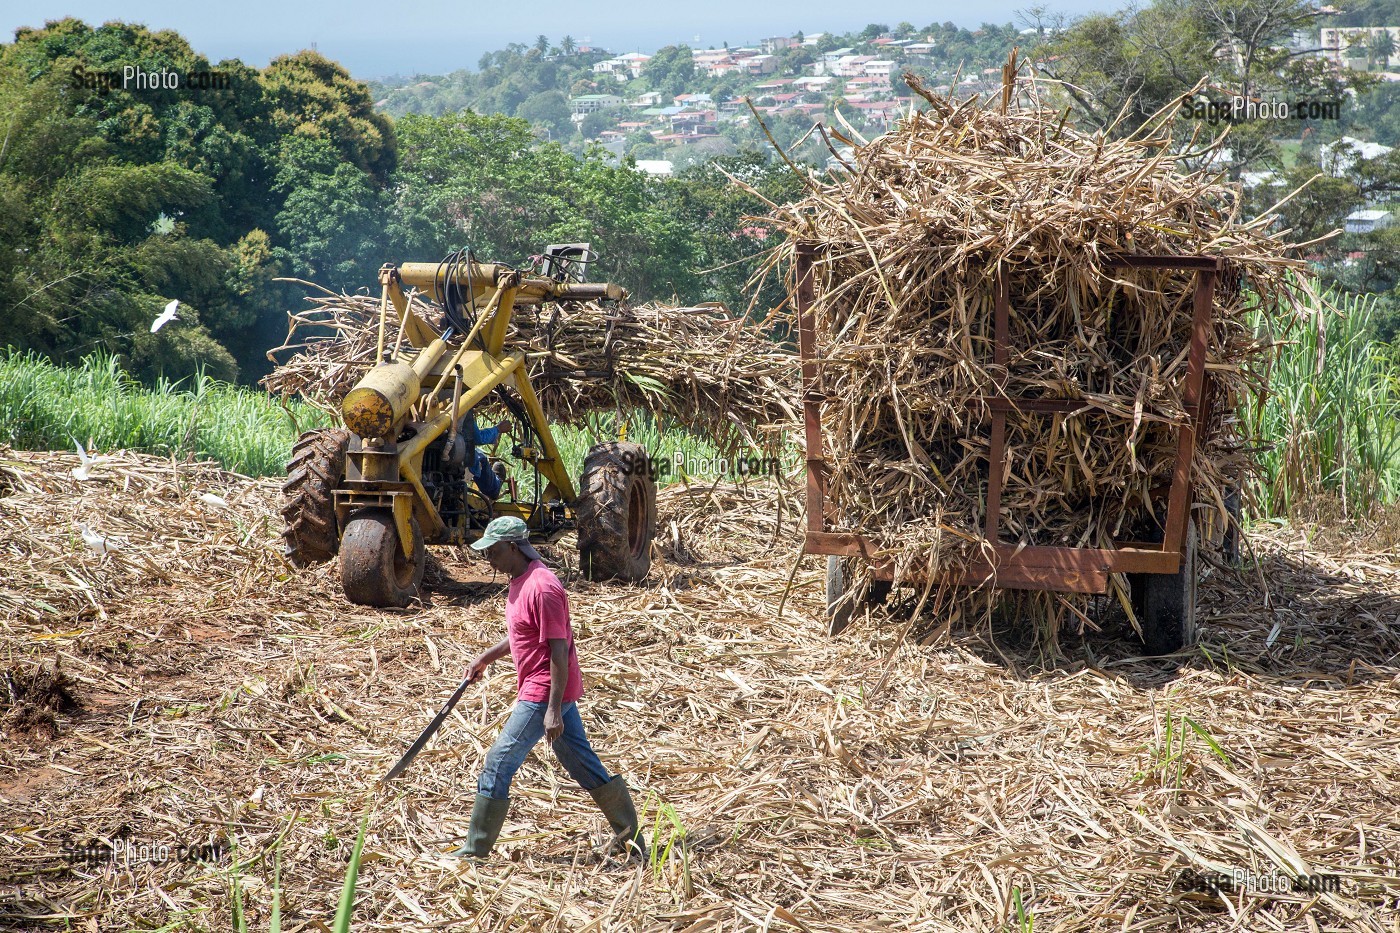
[
  {"x": 777, "y": 43},
  {"x": 629, "y": 65},
  {"x": 590, "y": 103},
  {"x": 795, "y": 78},
  {"x": 1349, "y": 45},
  {"x": 1338, "y": 159}
]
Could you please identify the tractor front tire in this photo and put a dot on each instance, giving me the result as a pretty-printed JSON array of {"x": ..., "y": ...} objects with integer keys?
[
  {"x": 373, "y": 568},
  {"x": 308, "y": 502},
  {"x": 616, "y": 512}
]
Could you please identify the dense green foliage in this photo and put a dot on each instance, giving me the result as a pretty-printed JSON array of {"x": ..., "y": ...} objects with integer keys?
[
  {"x": 113, "y": 201},
  {"x": 489, "y": 183}
]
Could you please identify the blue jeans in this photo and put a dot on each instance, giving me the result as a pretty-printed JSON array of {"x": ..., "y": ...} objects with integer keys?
[
  {"x": 523, "y": 729},
  {"x": 486, "y": 481}
]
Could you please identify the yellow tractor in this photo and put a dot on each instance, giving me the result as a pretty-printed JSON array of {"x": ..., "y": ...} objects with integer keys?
[{"x": 406, "y": 471}]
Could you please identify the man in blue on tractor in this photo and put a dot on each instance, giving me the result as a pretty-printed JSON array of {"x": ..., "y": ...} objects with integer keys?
[{"x": 488, "y": 480}]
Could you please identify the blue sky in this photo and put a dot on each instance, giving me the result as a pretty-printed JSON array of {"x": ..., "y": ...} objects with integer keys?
[{"x": 374, "y": 38}]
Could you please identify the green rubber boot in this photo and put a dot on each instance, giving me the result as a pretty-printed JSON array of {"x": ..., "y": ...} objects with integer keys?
[
  {"x": 488, "y": 815},
  {"x": 615, "y": 801}
]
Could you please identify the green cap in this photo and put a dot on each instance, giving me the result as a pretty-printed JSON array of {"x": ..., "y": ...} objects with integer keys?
[{"x": 507, "y": 528}]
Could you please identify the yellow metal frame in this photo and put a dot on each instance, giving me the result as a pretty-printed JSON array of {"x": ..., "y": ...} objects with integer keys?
[{"x": 387, "y": 400}]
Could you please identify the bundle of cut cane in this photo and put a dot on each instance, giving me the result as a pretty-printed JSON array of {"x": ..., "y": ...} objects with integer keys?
[
  {"x": 911, "y": 240},
  {"x": 701, "y": 366}
]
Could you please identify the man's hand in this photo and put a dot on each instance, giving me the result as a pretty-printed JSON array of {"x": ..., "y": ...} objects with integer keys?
[
  {"x": 477, "y": 667},
  {"x": 504, "y": 426},
  {"x": 553, "y": 723}
]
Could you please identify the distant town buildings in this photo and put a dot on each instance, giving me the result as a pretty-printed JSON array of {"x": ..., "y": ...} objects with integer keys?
[
  {"x": 1367, "y": 221},
  {"x": 1339, "y": 158},
  {"x": 629, "y": 64},
  {"x": 1351, "y": 43},
  {"x": 778, "y": 42},
  {"x": 779, "y": 76},
  {"x": 591, "y": 103}
]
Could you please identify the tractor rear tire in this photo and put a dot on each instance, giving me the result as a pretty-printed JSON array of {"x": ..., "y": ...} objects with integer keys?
[
  {"x": 308, "y": 502},
  {"x": 373, "y": 568},
  {"x": 616, "y": 512},
  {"x": 1169, "y": 603}
]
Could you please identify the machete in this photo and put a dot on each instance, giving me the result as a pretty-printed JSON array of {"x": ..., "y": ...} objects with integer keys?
[{"x": 428, "y": 733}]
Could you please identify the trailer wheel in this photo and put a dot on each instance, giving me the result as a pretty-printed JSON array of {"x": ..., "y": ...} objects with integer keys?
[
  {"x": 1168, "y": 614},
  {"x": 1234, "y": 524},
  {"x": 839, "y": 609},
  {"x": 308, "y": 504},
  {"x": 373, "y": 568},
  {"x": 616, "y": 512}
]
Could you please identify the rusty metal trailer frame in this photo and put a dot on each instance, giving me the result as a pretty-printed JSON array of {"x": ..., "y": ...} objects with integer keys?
[{"x": 1062, "y": 569}]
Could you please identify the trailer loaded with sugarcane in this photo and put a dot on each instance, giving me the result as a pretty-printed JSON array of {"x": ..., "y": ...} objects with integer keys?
[{"x": 1025, "y": 361}]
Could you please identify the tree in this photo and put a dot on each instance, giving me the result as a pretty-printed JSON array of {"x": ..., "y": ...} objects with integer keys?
[
  {"x": 331, "y": 225},
  {"x": 1321, "y": 207},
  {"x": 567, "y": 46},
  {"x": 1382, "y": 47},
  {"x": 670, "y": 70},
  {"x": 727, "y": 244},
  {"x": 549, "y": 109},
  {"x": 542, "y": 44},
  {"x": 1249, "y": 30},
  {"x": 1107, "y": 61},
  {"x": 595, "y": 123},
  {"x": 1040, "y": 18},
  {"x": 315, "y": 98},
  {"x": 489, "y": 183},
  {"x": 874, "y": 31},
  {"x": 794, "y": 58}
]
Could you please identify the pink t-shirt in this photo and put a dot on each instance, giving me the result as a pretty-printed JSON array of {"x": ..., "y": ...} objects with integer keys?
[{"x": 537, "y": 609}]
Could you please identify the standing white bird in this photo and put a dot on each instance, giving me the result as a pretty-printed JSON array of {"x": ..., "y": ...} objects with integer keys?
[
  {"x": 166, "y": 316},
  {"x": 96, "y": 542}
]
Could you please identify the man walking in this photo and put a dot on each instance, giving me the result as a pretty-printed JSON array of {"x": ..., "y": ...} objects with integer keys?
[{"x": 540, "y": 640}]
